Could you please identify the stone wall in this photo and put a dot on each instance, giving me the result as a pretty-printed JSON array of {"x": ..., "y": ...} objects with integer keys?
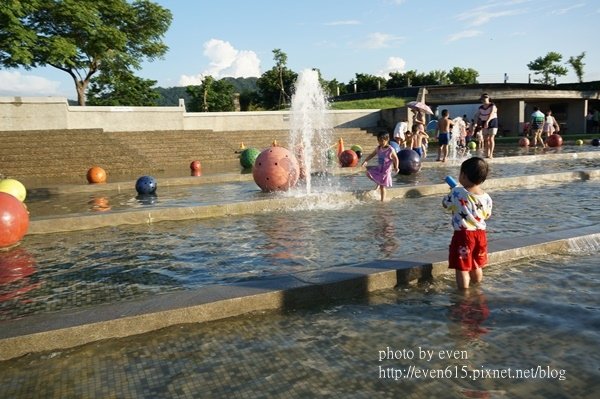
[{"x": 42, "y": 113}]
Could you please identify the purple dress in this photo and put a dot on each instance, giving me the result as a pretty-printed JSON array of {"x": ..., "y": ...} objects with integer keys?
[{"x": 382, "y": 173}]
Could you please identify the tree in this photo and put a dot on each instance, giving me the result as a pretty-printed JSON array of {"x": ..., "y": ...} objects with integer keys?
[
  {"x": 276, "y": 84},
  {"x": 547, "y": 67},
  {"x": 77, "y": 37},
  {"x": 461, "y": 76},
  {"x": 577, "y": 64},
  {"x": 211, "y": 96},
  {"x": 366, "y": 82},
  {"x": 439, "y": 77},
  {"x": 121, "y": 88}
]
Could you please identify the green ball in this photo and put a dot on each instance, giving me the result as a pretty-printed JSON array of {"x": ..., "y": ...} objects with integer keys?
[
  {"x": 472, "y": 145},
  {"x": 248, "y": 157},
  {"x": 579, "y": 142},
  {"x": 331, "y": 155},
  {"x": 356, "y": 148}
]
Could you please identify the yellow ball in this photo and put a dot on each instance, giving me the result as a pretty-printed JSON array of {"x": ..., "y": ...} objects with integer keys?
[
  {"x": 14, "y": 188},
  {"x": 579, "y": 142}
]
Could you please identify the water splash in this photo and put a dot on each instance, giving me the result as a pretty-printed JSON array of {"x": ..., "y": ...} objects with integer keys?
[
  {"x": 456, "y": 154},
  {"x": 311, "y": 132},
  {"x": 585, "y": 245}
]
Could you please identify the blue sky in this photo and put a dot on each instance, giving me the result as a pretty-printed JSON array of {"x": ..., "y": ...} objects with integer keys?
[{"x": 345, "y": 37}]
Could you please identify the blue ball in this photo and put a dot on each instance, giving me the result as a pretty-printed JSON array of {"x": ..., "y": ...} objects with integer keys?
[
  {"x": 596, "y": 142},
  {"x": 145, "y": 185},
  {"x": 409, "y": 162},
  {"x": 395, "y": 146}
]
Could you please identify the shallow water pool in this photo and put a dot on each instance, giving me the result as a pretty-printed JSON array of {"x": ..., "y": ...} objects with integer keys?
[{"x": 535, "y": 320}]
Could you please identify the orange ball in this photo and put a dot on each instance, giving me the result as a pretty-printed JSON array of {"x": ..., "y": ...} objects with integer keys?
[
  {"x": 524, "y": 142},
  {"x": 14, "y": 220},
  {"x": 96, "y": 175},
  {"x": 196, "y": 166},
  {"x": 276, "y": 169}
]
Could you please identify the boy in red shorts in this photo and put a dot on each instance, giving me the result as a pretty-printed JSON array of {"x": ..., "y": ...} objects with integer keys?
[{"x": 470, "y": 207}]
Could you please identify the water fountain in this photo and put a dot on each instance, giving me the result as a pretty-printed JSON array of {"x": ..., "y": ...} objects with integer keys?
[{"x": 311, "y": 131}]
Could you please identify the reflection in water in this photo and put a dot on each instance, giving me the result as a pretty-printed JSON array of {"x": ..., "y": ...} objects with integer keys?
[
  {"x": 99, "y": 204},
  {"x": 385, "y": 231},
  {"x": 16, "y": 268},
  {"x": 146, "y": 199},
  {"x": 469, "y": 310}
]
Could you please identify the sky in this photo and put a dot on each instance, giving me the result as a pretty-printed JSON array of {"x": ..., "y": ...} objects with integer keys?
[{"x": 344, "y": 37}]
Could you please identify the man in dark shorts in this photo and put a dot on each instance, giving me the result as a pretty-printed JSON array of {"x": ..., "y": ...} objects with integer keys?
[{"x": 443, "y": 134}]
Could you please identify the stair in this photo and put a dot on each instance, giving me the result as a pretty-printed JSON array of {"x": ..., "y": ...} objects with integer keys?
[{"x": 67, "y": 154}]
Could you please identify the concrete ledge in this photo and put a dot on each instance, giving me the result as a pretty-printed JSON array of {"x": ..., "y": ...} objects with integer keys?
[
  {"x": 72, "y": 328},
  {"x": 85, "y": 221}
]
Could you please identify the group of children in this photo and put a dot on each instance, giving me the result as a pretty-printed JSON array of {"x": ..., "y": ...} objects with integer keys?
[{"x": 469, "y": 204}]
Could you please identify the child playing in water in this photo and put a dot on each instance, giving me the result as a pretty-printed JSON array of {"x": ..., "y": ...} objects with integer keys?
[
  {"x": 470, "y": 207},
  {"x": 387, "y": 158},
  {"x": 415, "y": 141}
]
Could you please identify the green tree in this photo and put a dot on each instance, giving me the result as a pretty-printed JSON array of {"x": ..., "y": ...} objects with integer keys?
[
  {"x": 463, "y": 76},
  {"x": 78, "y": 36},
  {"x": 275, "y": 85},
  {"x": 439, "y": 77},
  {"x": 548, "y": 67},
  {"x": 577, "y": 64},
  {"x": 211, "y": 96},
  {"x": 121, "y": 88}
]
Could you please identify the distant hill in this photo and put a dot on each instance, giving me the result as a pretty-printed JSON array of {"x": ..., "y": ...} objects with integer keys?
[{"x": 170, "y": 96}]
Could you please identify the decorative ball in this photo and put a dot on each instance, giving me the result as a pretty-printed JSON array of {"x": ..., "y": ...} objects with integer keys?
[
  {"x": 145, "y": 185},
  {"x": 14, "y": 188},
  {"x": 248, "y": 157},
  {"x": 578, "y": 142},
  {"x": 472, "y": 145},
  {"x": 395, "y": 146},
  {"x": 356, "y": 148},
  {"x": 348, "y": 159},
  {"x": 276, "y": 169},
  {"x": 523, "y": 142},
  {"x": 96, "y": 175},
  {"x": 410, "y": 162},
  {"x": 14, "y": 220},
  {"x": 331, "y": 155},
  {"x": 196, "y": 166},
  {"x": 554, "y": 140},
  {"x": 595, "y": 142}
]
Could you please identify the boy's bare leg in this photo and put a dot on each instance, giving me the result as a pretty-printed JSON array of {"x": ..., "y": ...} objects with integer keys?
[
  {"x": 462, "y": 279},
  {"x": 476, "y": 275}
]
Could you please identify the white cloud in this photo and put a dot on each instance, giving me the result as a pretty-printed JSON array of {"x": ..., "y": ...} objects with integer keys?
[
  {"x": 225, "y": 60},
  {"x": 463, "y": 35},
  {"x": 393, "y": 64},
  {"x": 15, "y": 83},
  {"x": 484, "y": 14},
  {"x": 381, "y": 40},
  {"x": 565, "y": 10},
  {"x": 346, "y": 22}
]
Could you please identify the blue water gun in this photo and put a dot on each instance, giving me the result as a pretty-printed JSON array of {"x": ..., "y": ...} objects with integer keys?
[{"x": 450, "y": 181}]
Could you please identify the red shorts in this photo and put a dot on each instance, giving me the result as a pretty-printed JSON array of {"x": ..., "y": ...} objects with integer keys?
[{"x": 468, "y": 250}]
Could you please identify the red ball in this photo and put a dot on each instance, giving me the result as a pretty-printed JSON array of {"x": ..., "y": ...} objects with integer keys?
[
  {"x": 96, "y": 175},
  {"x": 524, "y": 142},
  {"x": 555, "y": 140},
  {"x": 348, "y": 159},
  {"x": 195, "y": 166},
  {"x": 276, "y": 169},
  {"x": 14, "y": 220}
]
